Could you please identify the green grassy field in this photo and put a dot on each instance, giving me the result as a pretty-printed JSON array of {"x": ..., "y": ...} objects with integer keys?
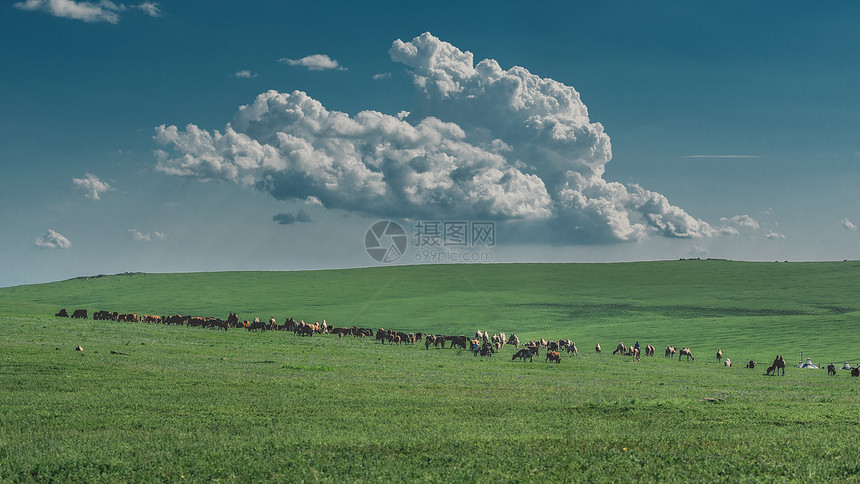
[{"x": 148, "y": 402}]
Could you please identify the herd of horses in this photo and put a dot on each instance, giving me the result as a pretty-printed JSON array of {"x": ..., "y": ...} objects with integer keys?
[{"x": 483, "y": 343}]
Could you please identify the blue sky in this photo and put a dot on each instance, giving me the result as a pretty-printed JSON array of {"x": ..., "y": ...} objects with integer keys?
[{"x": 599, "y": 131}]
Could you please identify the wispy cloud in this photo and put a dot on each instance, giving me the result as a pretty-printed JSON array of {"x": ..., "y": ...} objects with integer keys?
[
  {"x": 102, "y": 11},
  {"x": 316, "y": 62},
  {"x": 382, "y": 75},
  {"x": 52, "y": 240},
  {"x": 246, "y": 74},
  {"x": 149, "y": 8},
  {"x": 771, "y": 235},
  {"x": 145, "y": 237},
  {"x": 92, "y": 186},
  {"x": 848, "y": 225}
]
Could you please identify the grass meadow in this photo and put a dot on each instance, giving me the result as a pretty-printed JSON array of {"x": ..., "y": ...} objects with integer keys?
[{"x": 156, "y": 403}]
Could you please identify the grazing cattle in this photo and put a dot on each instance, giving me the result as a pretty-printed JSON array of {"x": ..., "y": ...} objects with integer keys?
[
  {"x": 621, "y": 348},
  {"x": 80, "y": 314},
  {"x": 62, "y": 314},
  {"x": 855, "y": 371},
  {"x": 525, "y": 353},
  {"x": 553, "y": 356},
  {"x": 597, "y": 348},
  {"x": 831, "y": 369},
  {"x": 719, "y": 354},
  {"x": 670, "y": 351},
  {"x": 751, "y": 364},
  {"x": 728, "y": 363},
  {"x": 257, "y": 324},
  {"x": 686, "y": 352},
  {"x": 460, "y": 341},
  {"x": 487, "y": 350}
]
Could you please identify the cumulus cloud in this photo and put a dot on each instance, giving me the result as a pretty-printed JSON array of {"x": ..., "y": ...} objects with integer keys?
[
  {"x": 52, "y": 240},
  {"x": 92, "y": 186},
  {"x": 246, "y": 74},
  {"x": 145, "y": 237},
  {"x": 312, "y": 200},
  {"x": 481, "y": 142},
  {"x": 316, "y": 62},
  {"x": 382, "y": 75},
  {"x": 102, "y": 11},
  {"x": 771, "y": 235},
  {"x": 286, "y": 218},
  {"x": 848, "y": 225}
]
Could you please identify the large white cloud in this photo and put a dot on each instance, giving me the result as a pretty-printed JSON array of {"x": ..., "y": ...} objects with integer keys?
[
  {"x": 52, "y": 240},
  {"x": 481, "y": 142}
]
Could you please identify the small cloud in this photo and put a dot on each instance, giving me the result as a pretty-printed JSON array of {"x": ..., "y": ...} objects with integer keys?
[
  {"x": 92, "y": 186},
  {"x": 149, "y": 8},
  {"x": 246, "y": 74},
  {"x": 286, "y": 218},
  {"x": 740, "y": 221},
  {"x": 316, "y": 62},
  {"x": 767, "y": 212},
  {"x": 146, "y": 237},
  {"x": 771, "y": 235},
  {"x": 848, "y": 225},
  {"x": 312, "y": 200},
  {"x": 382, "y": 75},
  {"x": 52, "y": 240}
]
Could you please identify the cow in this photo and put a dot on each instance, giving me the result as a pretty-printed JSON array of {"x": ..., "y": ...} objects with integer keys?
[
  {"x": 457, "y": 341},
  {"x": 553, "y": 356},
  {"x": 831, "y": 369},
  {"x": 80, "y": 314},
  {"x": 62, "y": 314},
  {"x": 525, "y": 353},
  {"x": 686, "y": 352}
]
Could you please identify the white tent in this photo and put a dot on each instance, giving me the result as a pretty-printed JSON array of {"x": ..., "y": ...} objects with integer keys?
[{"x": 808, "y": 364}]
